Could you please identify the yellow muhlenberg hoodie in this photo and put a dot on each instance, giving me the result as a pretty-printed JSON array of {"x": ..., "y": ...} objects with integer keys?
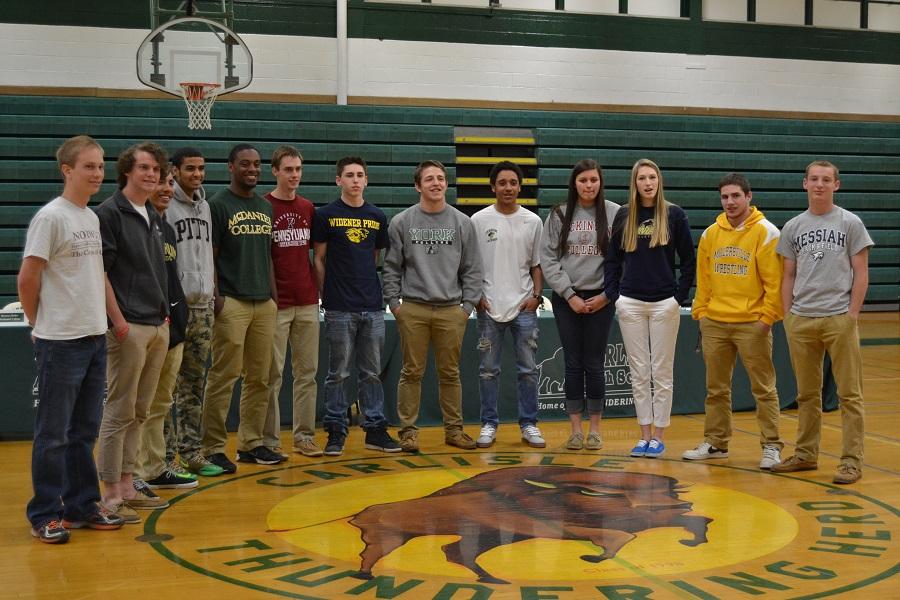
[{"x": 739, "y": 272}]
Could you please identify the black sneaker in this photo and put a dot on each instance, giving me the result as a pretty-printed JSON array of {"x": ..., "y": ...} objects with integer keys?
[
  {"x": 260, "y": 455},
  {"x": 146, "y": 498},
  {"x": 169, "y": 480},
  {"x": 51, "y": 532},
  {"x": 380, "y": 439},
  {"x": 335, "y": 445},
  {"x": 220, "y": 460}
]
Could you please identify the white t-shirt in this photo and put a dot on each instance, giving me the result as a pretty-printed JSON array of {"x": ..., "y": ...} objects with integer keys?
[
  {"x": 72, "y": 298},
  {"x": 510, "y": 247},
  {"x": 141, "y": 209}
]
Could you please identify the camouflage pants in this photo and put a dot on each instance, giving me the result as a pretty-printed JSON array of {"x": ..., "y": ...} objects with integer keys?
[{"x": 183, "y": 432}]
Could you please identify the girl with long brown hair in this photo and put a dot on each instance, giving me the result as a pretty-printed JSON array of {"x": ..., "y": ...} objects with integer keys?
[{"x": 573, "y": 245}]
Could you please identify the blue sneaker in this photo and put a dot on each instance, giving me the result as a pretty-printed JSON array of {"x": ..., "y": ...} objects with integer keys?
[
  {"x": 640, "y": 449},
  {"x": 655, "y": 449}
]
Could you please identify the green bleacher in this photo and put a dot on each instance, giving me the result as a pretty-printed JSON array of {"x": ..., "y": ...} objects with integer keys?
[{"x": 693, "y": 151}]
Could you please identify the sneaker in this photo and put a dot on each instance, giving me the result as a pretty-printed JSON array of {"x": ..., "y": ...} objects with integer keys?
[
  {"x": 594, "y": 441},
  {"x": 531, "y": 435},
  {"x": 279, "y": 451},
  {"x": 705, "y": 451},
  {"x": 380, "y": 439},
  {"x": 169, "y": 480},
  {"x": 409, "y": 440},
  {"x": 146, "y": 498},
  {"x": 771, "y": 456},
  {"x": 128, "y": 515},
  {"x": 307, "y": 447},
  {"x": 794, "y": 464},
  {"x": 260, "y": 455},
  {"x": 846, "y": 473},
  {"x": 52, "y": 532},
  {"x": 201, "y": 465},
  {"x": 459, "y": 439},
  {"x": 575, "y": 441},
  {"x": 487, "y": 435},
  {"x": 655, "y": 449},
  {"x": 220, "y": 460},
  {"x": 640, "y": 449},
  {"x": 176, "y": 468},
  {"x": 103, "y": 519},
  {"x": 335, "y": 444}
]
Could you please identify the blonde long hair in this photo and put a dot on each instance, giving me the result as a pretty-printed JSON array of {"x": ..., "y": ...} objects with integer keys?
[{"x": 660, "y": 236}]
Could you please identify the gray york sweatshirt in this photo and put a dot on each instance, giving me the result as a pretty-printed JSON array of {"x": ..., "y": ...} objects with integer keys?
[{"x": 433, "y": 258}]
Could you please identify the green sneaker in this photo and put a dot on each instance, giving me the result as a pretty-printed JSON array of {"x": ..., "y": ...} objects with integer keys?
[
  {"x": 176, "y": 468},
  {"x": 201, "y": 466}
]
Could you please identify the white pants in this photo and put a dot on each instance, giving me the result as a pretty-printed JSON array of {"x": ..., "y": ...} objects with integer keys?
[{"x": 649, "y": 331}]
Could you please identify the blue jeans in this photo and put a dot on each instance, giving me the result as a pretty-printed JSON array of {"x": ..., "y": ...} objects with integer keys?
[
  {"x": 71, "y": 383},
  {"x": 583, "y": 338},
  {"x": 364, "y": 333},
  {"x": 490, "y": 343}
]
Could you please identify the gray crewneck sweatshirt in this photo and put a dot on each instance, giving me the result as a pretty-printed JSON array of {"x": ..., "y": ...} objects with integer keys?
[
  {"x": 433, "y": 258},
  {"x": 191, "y": 220},
  {"x": 581, "y": 268}
]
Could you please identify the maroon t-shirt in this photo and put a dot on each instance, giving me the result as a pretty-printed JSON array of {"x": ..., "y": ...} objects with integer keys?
[{"x": 291, "y": 231}]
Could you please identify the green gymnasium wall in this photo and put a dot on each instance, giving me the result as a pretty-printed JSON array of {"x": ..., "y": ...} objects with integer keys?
[{"x": 693, "y": 151}]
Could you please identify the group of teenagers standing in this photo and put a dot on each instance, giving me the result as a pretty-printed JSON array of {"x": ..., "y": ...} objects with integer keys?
[
  {"x": 138, "y": 294},
  {"x": 599, "y": 258}
]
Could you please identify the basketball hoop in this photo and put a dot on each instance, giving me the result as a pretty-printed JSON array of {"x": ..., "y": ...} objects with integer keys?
[{"x": 199, "y": 98}]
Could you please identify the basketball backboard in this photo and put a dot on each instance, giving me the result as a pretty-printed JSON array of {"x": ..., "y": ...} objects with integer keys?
[{"x": 196, "y": 50}]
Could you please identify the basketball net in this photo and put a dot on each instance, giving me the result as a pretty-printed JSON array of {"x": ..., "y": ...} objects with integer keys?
[{"x": 199, "y": 98}]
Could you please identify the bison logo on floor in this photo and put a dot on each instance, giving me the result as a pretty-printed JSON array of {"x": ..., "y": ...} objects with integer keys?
[{"x": 520, "y": 503}]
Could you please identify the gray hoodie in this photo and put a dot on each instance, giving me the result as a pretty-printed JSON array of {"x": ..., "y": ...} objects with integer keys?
[
  {"x": 433, "y": 258},
  {"x": 581, "y": 268},
  {"x": 191, "y": 220}
]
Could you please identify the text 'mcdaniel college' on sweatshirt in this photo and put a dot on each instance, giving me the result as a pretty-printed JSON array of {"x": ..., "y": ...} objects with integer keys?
[{"x": 739, "y": 272}]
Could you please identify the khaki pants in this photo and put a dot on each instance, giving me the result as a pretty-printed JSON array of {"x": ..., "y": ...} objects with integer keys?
[
  {"x": 421, "y": 326},
  {"x": 152, "y": 456},
  {"x": 241, "y": 346},
  {"x": 300, "y": 325},
  {"x": 132, "y": 372},
  {"x": 809, "y": 338},
  {"x": 722, "y": 342}
]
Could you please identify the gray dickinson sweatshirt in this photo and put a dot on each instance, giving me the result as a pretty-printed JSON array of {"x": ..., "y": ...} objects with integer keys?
[
  {"x": 581, "y": 268},
  {"x": 191, "y": 220},
  {"x": 433, "y": 258}
]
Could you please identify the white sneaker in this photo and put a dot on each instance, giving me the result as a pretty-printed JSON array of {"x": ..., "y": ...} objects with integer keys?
[
  {"x": 487, "y": 436},
  {"x": 531, "y": 435},
  {"x": 703, "y": 452},
  {"x": 771, "y": 456}
]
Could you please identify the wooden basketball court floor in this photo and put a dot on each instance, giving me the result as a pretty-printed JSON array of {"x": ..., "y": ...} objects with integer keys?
[{"x": 516, "y": 522}]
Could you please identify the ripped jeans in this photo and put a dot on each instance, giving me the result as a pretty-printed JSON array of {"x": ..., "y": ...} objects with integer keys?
[{"x": 490, "y": 343}]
